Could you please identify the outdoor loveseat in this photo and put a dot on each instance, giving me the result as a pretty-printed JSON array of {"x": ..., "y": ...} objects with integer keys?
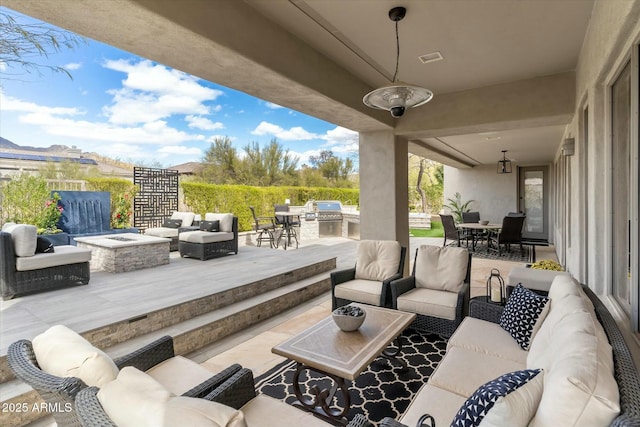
[
  {"x": 587, "y": 376},
  {"x": 23, "y": 271}
]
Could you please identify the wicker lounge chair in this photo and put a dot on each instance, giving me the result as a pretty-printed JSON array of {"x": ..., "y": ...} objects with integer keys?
[
  {"x": 238, "y": 392},
  {"x": 61, "y": 392},
  {"x": 439, "y": 301}
]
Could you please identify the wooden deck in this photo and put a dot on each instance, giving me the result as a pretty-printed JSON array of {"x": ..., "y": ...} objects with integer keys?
[{"x": 110, "y": 298}]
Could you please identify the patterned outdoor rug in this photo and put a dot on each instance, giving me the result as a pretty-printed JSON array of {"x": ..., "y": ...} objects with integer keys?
[
  {"x": 382, "y": 390},
  {"x": 514, "y": 255}
]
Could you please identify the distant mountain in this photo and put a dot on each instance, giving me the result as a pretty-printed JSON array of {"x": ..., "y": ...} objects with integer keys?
[{"x": 5, "y": 144}]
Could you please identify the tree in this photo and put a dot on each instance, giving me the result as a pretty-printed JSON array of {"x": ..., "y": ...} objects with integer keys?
[
  {"x": 22, "y": 42},
  {"x": 221, "y": 162},
  {"x": 334, "y": 169}
]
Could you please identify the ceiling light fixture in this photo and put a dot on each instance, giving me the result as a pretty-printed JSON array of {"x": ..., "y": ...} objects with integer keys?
[
  {"x": 504, "y": 165},
  {"x": 397, "y": 96}
]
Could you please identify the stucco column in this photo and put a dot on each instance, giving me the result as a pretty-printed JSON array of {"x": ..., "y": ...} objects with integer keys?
[{"x": 384, "y": 181}]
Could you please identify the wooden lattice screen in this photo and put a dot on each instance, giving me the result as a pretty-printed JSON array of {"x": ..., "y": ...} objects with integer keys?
[{"x": 157, "y": 198}]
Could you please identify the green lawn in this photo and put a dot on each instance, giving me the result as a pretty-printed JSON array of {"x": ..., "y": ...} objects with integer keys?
[{"x": 436, "y": 231}]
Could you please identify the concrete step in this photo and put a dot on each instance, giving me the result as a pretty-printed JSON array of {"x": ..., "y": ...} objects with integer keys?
[{"x": 236, "y": 309}]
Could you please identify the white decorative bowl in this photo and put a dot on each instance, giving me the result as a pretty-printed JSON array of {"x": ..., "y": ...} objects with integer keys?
[
  {"x": 348, "y": 322},
  {"x": 483, "y": 222}
]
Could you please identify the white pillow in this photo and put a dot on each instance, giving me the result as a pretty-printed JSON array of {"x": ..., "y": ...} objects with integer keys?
[
  {"x": 135, "y": 399},
  {"x": 377, "y": 259},
  {"x": 442, "y": 269},
  {"x": 518, "y": 407},
  {"x": 24, "y": 238},
  {"x": 226, "y": 220},
  {"x": 186, "y": 217},
  {"x": 64, "y": 353}
]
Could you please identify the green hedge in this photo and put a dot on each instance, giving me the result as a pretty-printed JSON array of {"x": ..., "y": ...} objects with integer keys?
[{"x": 203, "y": 198}]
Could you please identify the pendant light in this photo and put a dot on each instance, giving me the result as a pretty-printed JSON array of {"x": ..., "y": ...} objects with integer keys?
[
  {"x": 504, "y": 165},
  {"x": 397, "y": 96}
]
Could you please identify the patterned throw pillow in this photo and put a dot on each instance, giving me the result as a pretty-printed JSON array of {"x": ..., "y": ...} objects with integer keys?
[
  {"x": 209, "y": 225},
  {"x": 484, "y": 398},
  {"x": 521, "y": 313},
  {"x": 172, "y": 223}
]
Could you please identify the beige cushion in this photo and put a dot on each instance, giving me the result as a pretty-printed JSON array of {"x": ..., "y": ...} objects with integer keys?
[
  {"x": 188, "y": 411},
  {"x": 377, "y": 259},
  {"x": 364, "y": 291},
  {"x": 64, "y": 255},
  {"x": 24, "y": 237},
  {"x": 265, "y": 411},
  {"x": 533, "y": 278},
  {"x": 226, "y": 220},
  {"x": 518, "y": 407},
  {"x": 135, "y": 399},
  {"x": 441, "y": 404},
  {"x": 429, "y": 302},
  {"x": 64, "y": 353},
  {"x": 162, "y": 232},
  {"x": 441, "y": 268},
  {"x": 462, "y": 370},
  {"x": 179, "y": 374},
  {"x": 488, "y": 338},
  {"x": 186, "y": 217},
  {"x": 577, "y": 370},
  {"x": 205, "y": 236},
  {"x": 7, "y": 225}
]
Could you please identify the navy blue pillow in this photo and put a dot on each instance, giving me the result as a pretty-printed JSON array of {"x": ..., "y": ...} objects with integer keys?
[
  {"x": 521, "y": 313},
  {"x": 44, "y": 246},
  {"x": 482, "y": 400}
]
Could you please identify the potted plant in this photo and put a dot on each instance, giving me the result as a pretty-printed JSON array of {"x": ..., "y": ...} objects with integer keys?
[
  {"x": 457, "y": 206},
  {"x": 546, "y": 264}
]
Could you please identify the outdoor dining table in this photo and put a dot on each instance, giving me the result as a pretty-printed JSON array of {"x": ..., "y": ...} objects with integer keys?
[
  {"x": 287, "y": 228},
  {"x": 474, "y": 226}
]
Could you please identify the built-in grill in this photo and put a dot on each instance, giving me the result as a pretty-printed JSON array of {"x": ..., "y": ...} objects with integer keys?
[
  {"x": 328, "y": 211},
  {"x": 329, "y": 216}
]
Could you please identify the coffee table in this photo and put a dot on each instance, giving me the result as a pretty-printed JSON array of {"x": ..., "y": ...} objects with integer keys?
[
  {"x": 341, "y": 356},
  {"x": 117, "y": 253}
]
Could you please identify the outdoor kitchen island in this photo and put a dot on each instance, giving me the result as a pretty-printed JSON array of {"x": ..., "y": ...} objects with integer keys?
[{"x": 117, "y": 253}]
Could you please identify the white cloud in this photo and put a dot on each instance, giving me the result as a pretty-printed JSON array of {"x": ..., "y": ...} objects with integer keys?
[
  {"x": 62, "y": 121},
  {"x": 341, "y": 140},
  {"x": 198, "y": 122},
  {"x": 153, "y": 92},
  {"x": 304, "y": 156},
  {"x": 294, "y": 134},
  {"x": 180, "y": 150},
  {"x": 73, "y": 66},
  {"x": 272, "y": 106}
]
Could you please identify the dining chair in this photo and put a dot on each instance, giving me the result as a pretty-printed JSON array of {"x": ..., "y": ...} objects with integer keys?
[
  {"x": 473, "y": 218},
  {"x": 265, "y": 226},
  {"x": 451, "y": 232},
  {"x": 510, "y": 233}
]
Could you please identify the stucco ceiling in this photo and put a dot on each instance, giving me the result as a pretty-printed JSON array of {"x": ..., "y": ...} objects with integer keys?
[{"x": 505, "y": 82}]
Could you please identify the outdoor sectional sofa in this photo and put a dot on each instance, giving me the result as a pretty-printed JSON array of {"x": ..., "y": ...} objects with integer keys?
[
  {"x": 588, "y": 375},
  {"x": 23, "y": 271},
  {"x": 172, "y": 227},
  {"x": 217, "y": 236}
]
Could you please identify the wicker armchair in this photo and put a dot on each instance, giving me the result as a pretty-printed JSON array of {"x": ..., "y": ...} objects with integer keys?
[
  {"x": 375, "y": 294},
  {"x": 62, "y": 391},
  {"x": 15, "y": 283},
  {"x": 429, "y": 297},
  {"x": 236, "y": 391}
]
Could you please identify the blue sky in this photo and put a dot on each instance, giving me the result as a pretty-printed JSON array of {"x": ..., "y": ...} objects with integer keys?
[{"x": 127, "y": 107}]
